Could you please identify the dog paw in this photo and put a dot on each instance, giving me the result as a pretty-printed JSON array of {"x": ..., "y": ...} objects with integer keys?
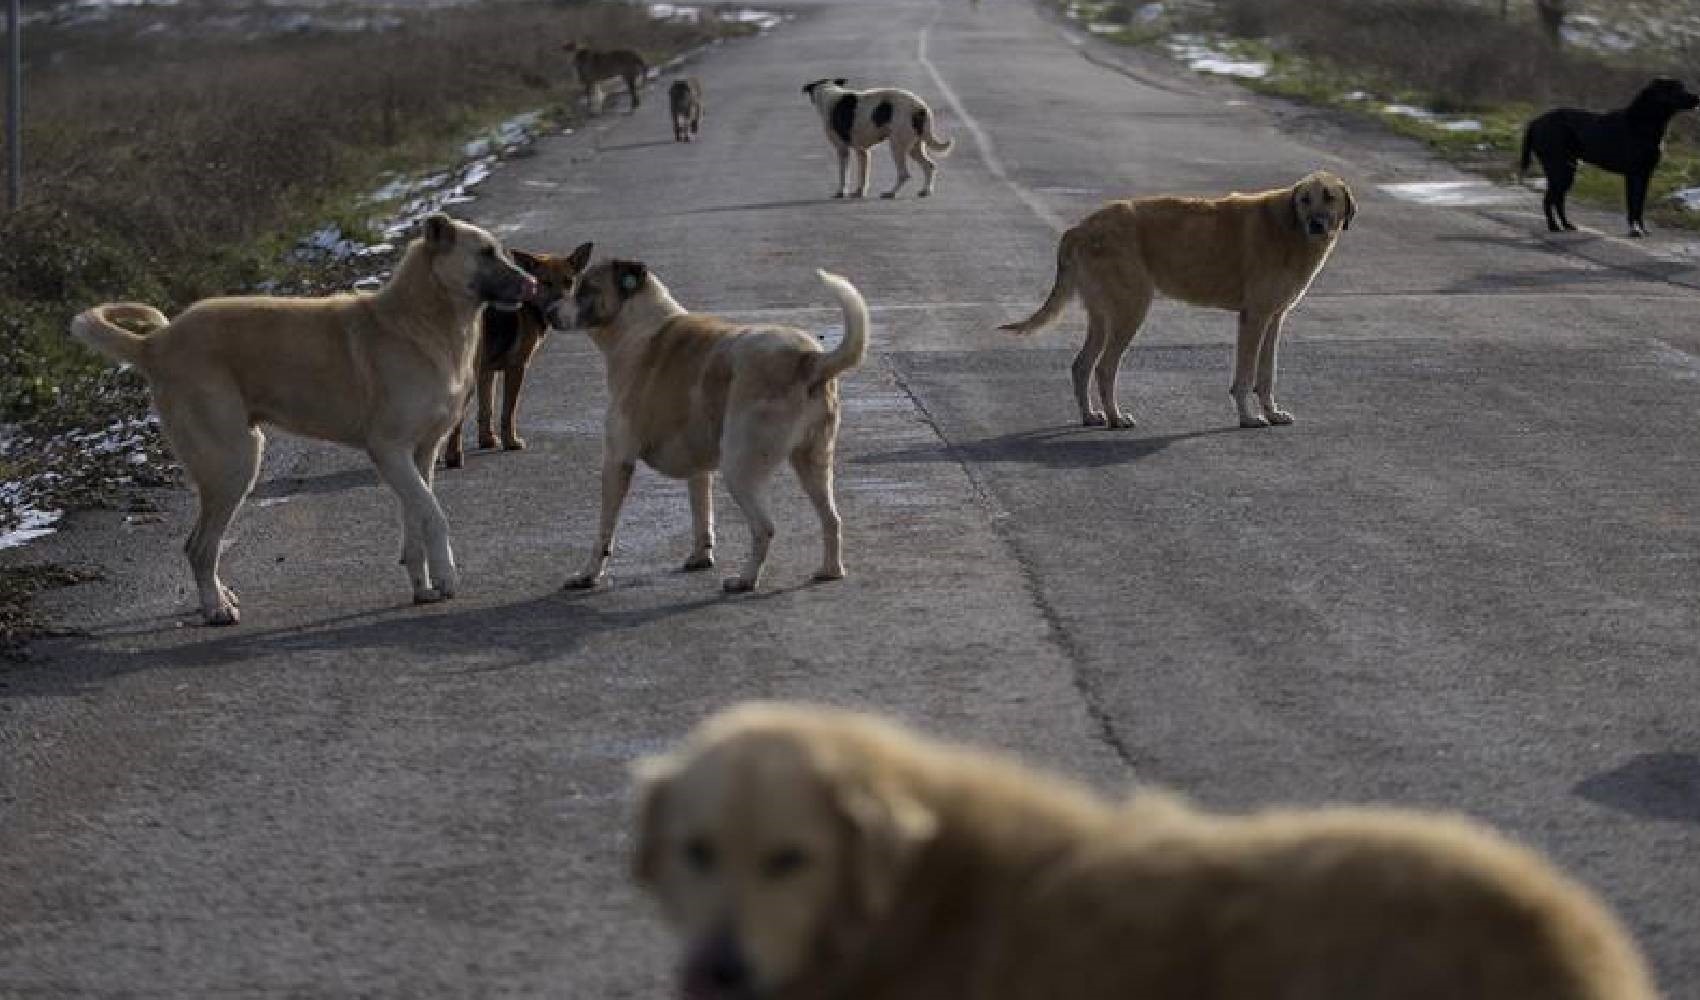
[
  {"x": 221, "y": 617},
  {"x": 888, "y": 195},
  {"x": 1279, "y": 417},
  {"x": 737, "y": 585},
  {"x": 229, "y": 596},
  {"x": 583, "y": 581},
  {"x": 429, "y": 595},
  {"x": 513, "y": 444},
  {"x": 698, "y": 562},
  {"x": 1254, "y": 421},
  {"x": 486, "y": 442},
  {"x": 828, "y": 573},
  {"x": 1122, "y": 420},
  {"x": 925, "y": 194},
  {"x": 1092, "y": 418},
  {"x": 1570, "y": 228},
  {"x": 859, "y": 194},
  {"x": 453, "y": 461},
  {"x": 838, "y": 194}
]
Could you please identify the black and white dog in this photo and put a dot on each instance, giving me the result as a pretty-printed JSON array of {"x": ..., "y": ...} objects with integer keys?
[
  {"x": 857, "y": 120},
  {"x": 1628, "y": 141}
]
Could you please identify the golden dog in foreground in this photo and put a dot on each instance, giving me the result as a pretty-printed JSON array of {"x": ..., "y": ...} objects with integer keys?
[
  {"x": 821, "y": 854},
  {"x": 1253, "y": 254}
]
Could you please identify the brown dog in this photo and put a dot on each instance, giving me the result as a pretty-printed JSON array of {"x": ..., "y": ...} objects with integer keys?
[
  {"x": 812, "y": 854},
  {"x": 386, "y": 373},
  {"x": 1253, "y": 254},
  {"x": 507, "y": 341},
  {"x": 595, "y": 65}
]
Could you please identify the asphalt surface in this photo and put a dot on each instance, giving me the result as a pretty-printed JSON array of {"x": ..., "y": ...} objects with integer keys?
[{"x": 1465, "y": 579}]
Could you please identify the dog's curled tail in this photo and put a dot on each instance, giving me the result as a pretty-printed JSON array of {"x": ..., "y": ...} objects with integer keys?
[
  {"x": 1061, "y": 291},
  {"x": 929, "y": 138},
  {"x": 854, "y": 347},
  {"x": 99, "y": 329}
]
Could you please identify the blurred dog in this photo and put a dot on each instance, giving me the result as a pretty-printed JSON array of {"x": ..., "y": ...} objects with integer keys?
[
  {"x": 857, "y": 120},
  {"x": 685, "y": 101},
  {"x": 595, "y": 65},
  {"x": 1629, "y": 141},
  {"x": 811, "y": 853},
  {"x": 1254, "y": 254},
  {"x": 507, "y": 341},
  {"x": 690, "y": 394},
  {"x": 386, "y": 373}
]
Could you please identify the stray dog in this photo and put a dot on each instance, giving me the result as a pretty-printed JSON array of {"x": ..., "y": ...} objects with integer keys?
[
  {"x": 813, "y": 853},
  {"x": 858, "y": 120},
  {"x": 386, "y": 373},
  {"x": 1628, "y": 141},
  {"x": 595, "y": 65},
  {"x": 689, "y": 394},
  {"x": 507, "y": 341},
  {"x": 685, "y": 99},
  {"x": 1254, "y": 254}
]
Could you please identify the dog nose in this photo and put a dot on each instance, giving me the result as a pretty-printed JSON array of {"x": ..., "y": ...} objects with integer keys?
[{"x": 720, "y": 964}]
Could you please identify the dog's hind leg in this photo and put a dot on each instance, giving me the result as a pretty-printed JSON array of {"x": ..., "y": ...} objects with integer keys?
[
  {"x": 1635, "y": 193},
  {"x": 616, "y": 480},
  {"x": 1246, "y": 353},
  {"x": 1097, "y": 327},
  {"x": 222, "y": 454},
  {"x": 1120, "y": 327},
  {"x": 486, "y": 408},
  {"x": 748, "y": 458},
  {"x": 899, "y": 156},
  {"x": 843, "y": 171},
  {"x": 812, "y": 461},
  {"x": 863, "y": 171},
  {"x": 701, "y": 488},
  {"x": 429, "y": 559},
  {"x": 513, "y": 379},
  {"x": 1264, "y": 387},
  {"x": 928, "y": 167},
  {"x": 1561, "y": 175}
]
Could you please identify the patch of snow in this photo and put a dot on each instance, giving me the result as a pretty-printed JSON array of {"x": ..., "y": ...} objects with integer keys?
[
  {"x": 1358, "y": 95},
  {"x": 1434, "y": 118},
  {"x": 1200, "y": 56},
  {"x": 1149, "y": 13},
  {"x": 1688, "y": 199},
  {"x": 1104, "y": 29},
  {"x": 32, "y": 524}
]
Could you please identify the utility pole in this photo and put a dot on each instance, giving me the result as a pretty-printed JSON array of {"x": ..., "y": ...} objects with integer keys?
[{"x": 14, "y": 105}]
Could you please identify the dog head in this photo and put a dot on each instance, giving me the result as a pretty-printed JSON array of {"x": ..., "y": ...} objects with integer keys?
[
  {"x": 812, "y": 86},
  {"x": 602, "y": 294},
  {"x": 464, "y": 257},
  {"x": 1323, "y": 205},
  {"x": 556, "y": 276},
  {"x": 771, "y": 845},
  {"x": 1664, "y": 97}
]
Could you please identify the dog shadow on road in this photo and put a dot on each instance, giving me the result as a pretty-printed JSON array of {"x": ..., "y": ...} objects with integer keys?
[
  {"x": 1651, "y": 785},
  {"x": 765, "y": 205},
  {"x": 1056, "y": 448}
]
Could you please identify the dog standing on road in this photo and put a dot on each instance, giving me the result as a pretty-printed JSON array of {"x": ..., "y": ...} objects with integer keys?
[
  {"x": 1629, "y": 141},
  {"x": 684, "y": 100},
  {"x": 507, "y": 341},
  {"x": 692, "y": 394},
  {"x": 595, "y": 65},
  {"x": 1254, "y": 254},
  {"x": 858, "y": 120},
  {"x": 386, "y": 373},
  {"x": 822, "y": 854}
]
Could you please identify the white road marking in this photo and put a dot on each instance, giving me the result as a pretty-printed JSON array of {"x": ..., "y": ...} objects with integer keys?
[{"x": 988, "y": 152}]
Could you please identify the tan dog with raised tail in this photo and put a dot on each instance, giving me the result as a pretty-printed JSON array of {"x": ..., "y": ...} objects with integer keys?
[
  {"x": 692, "y": 394},
  {"x": 386, "y": 373},
  {"x": 814, "y": 854},
  {"x": 1252, "y": 254}
]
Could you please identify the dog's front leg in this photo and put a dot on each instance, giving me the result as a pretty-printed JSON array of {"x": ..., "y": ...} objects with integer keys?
[
  {"x": 1635, "y": 193},
  {"x": 430, "y": 566},
  {"x": 843, "y": 171},
  {"x": 702, "y": 522},
  {"x": 900, "y": 156},
  {"x": 862, "y": 171},
  {"x": 513, "y": 379},
  {"x": 616, "y": 480},
  {"x": 1265, "y": 384},
  {"x": 1250, "y": 339}
]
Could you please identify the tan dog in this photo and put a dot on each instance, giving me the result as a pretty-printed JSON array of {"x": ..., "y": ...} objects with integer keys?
[
  {"x": 1253, "y": 254},
  {"x": 386, "y": 373},
  {"x": 595, "y": 65},
  {"x": 812, "y": 854},
  {"x": 684, "y": 102},
  {"x": 690, "y": 394},
  {"x": 858, "y": 120}
]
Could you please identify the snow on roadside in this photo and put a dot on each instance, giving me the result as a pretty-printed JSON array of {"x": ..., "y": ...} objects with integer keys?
[{"x": 1202, "y": 56}]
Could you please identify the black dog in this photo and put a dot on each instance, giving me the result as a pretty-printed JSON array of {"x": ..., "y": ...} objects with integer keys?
[{"x": 1627, "y": 142}]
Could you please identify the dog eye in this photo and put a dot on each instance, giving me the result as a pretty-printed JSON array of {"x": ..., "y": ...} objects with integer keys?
[
  {"x": 783, "y": 862},
  {"x": 699, "y": 854}
]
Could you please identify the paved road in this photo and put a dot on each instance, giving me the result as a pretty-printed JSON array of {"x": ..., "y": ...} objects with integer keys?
[{"x": 1466, "y": 579}]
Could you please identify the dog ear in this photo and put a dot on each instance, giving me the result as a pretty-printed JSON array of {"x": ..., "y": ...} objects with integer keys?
[
  {"x": 439, "y": 232},
  {"x": 652, "y": 775},
  {"x": 841, "y": 81},
  {"x": 580, "y": 258},
  {"x": 1351, "y": 208},
  {"x": 527, "y": 261},
  {"x": 630, "y": 276},
  {"x": 1294, "y": 213},
  {"x": 887, "y": 830}
]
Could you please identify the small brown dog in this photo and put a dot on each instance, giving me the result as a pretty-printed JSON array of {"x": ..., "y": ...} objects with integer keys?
[
  {"x": 684, "y": 100},
  {"x": 507, "y": 341},
  {"x": 815, "y": 854},
  {"x": 595, "y": 65},
  {"x": 1253, "y": 254}
]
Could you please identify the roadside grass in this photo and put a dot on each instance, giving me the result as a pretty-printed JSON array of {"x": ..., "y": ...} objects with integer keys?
[{"x": 1456, "y": 61}]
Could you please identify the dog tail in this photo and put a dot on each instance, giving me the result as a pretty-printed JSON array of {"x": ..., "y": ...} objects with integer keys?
[
  {"x": 1062, "y": 289},
  {"x": 99, "y": 329},
  {"x": 854, "y": 347},
  {"x": 924, "y": 128}
]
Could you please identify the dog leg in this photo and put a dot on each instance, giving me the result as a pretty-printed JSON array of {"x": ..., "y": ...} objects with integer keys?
[
  {"x": 1245, "y": 367},
  {"x": 701, "y": 488},
  {"x": 454, "y": 447},
  {"x": 1560, "y": 177},
  {"x": 513, "y": 378},
  {"x": 1264, "y": 387},
  {"x": 1118, "y": 334},
  {"x": 900, "y": 156},
  {"x": 616, "y": 480},
  {"x": 486, "y": 408},
  {"x": 863, "y": 169},
  {"x": 928, "y": 167},
  {"x": 813, "y": 464},
  {"x": 843, "y": 172},
  {"x": 1635, "y": 192},
  {"x": 746, "y": 466},
  {"x": 1096, "y": 329},
  {"x": 434, "y": 577},
  {"x": 224, "y": 472}
]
